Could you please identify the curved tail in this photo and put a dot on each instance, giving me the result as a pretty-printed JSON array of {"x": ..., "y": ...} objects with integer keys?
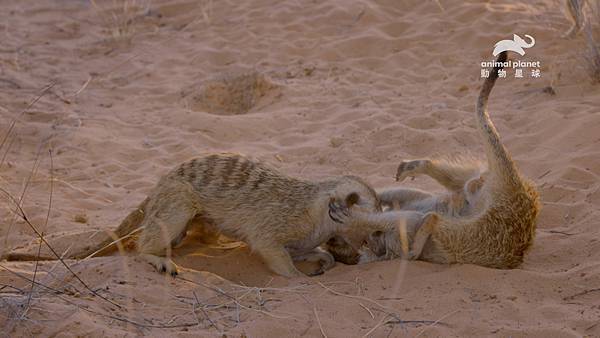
[
  {"x": 499, "y": 160},
  {"x": 128, "y": 226}
]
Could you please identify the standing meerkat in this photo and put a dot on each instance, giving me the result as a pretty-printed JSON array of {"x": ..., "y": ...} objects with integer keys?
[
  {"x": 280, "y": 217},
  {"x": 487, "y": 218}
]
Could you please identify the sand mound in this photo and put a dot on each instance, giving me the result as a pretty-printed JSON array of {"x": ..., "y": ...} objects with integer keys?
[{"x": 231, "y": 94}]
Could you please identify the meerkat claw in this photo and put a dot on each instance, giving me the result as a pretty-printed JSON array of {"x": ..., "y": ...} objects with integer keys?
[{"x": 333, "y": 218}]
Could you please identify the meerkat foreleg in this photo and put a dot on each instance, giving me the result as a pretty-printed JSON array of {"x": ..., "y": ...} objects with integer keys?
[
  {"x": 161, "y": 264},
  {"x": 384, "y": 221},
  {"x": 278, "y": 259},
  {"x": 452, "y": 176},
  {"x": 388, "y": 232},
  {"x": 398, "y": 197}
]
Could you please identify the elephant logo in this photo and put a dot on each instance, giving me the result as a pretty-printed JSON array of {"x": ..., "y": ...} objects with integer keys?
[{"x": 515, "y": 45}]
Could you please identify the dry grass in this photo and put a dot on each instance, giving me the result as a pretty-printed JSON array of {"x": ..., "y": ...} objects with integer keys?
[
  {"x": 591, "y": 33},
  {"x": 119, "y": 16},
  {"x": 585, "y": 17}
]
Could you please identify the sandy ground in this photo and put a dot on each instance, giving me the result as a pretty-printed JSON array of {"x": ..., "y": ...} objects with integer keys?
[{"x": 317, "y": 88}]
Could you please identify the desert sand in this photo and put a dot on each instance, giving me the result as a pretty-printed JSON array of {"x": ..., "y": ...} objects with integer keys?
[{"x": 316, "y": 88}]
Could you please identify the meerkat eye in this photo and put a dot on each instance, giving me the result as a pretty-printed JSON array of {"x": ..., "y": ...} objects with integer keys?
[
  {"x": 378, "y": 234},
  {"x": 352, "y": 199}
]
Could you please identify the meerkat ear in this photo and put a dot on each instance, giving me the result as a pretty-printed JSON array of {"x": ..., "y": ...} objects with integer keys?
[
  {"x": 352, "y": 199},
  {"x": 474, "y": 185}
]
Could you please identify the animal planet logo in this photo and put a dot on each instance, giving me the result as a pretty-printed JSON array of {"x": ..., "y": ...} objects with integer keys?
[{"x": 515, "y": 45}]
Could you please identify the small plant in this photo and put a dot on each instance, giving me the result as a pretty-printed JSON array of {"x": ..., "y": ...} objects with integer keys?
[
  {"x": 577, "y": 15},
  {"x": 591, "y": 33},
  {"x": 586, "y": 19},
  {"x": 120, "y": 16}
]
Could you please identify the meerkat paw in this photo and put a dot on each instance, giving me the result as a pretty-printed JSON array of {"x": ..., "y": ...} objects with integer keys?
[
  {"x": 317, "y": 272},
  {"x": 318, "y": 255},
  {"x": 324, "y": 266},
  {"x": 367, "y": 256},
  {"x": 409, "y": 169},
  {"x": 169, "y": 267},
  {"x": 326, "y": 262},
  {"x": 162, "y": 264}
]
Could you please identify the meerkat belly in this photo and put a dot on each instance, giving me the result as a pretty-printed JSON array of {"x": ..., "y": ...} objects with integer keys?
[
  {"x": 232, "y": 224},
  {"x": 249, "y": 217}
]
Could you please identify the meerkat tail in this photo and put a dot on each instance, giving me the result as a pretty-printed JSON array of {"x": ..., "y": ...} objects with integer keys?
[
  {"x": 128, "y": 226},
  {"x": 13, "y": 256},
  {"x": 499, "y": 160}
]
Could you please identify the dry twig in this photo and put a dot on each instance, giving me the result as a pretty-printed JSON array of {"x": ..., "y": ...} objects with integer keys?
[
  {"x": 436, "y": 322},
  {"x": 319, "y": 321},
  {"x": 21, "y": 213},
  {"x": 40, "y": 244}
]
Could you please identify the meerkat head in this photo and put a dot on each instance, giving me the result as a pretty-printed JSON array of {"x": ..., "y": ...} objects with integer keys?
[
  {"x": 353, "y": 193},
  {"x": 342, "y": 251},
  {"x": 387, "y": 244},
  {"x": 396, "y": 242},
  {"x": 351, "y": 234},
  {"x": 376, "y": 241},
  {"x": 359, "y": 194}
]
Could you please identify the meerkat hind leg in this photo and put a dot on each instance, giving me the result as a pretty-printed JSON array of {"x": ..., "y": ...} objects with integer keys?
[
  {"x": 452, "y": 176},
  {"x": 165, "y": 224}
]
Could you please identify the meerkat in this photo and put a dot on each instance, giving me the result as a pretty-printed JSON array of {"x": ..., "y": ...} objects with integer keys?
[
  {"x": 488, "y": 217},
  {"x": 280, "y": 217}
]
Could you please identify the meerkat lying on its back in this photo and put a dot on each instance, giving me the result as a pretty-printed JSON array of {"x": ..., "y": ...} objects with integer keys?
[
  {"x": 488, "y": 217},
  {"x": 279, "y": 217}
]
